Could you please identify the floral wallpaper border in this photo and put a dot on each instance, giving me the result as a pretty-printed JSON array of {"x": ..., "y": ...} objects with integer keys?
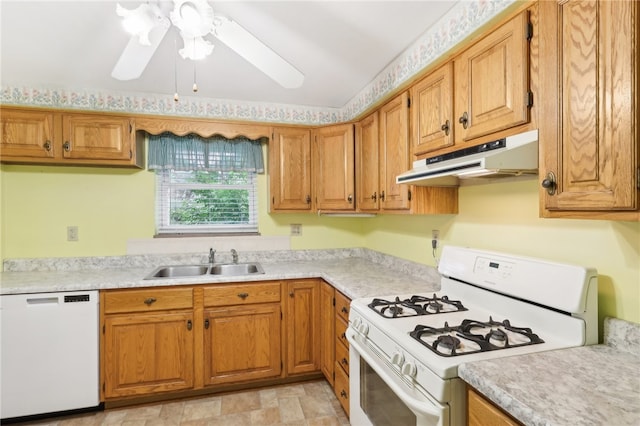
[{"x": 464, "y": 18}]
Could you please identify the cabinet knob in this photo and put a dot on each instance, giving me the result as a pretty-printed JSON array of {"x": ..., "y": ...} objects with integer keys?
[
  {"x": 464, "y": 120},
  {"x": 350, "y": 198},
  {"x": 549, "y": 183},
  {"x": 344, "y": 361},
  {"x": 47, "y": 145},
  {"x": 344, "y": 310},
  {"x": 343, "y": 393},
  {"x": 374, "y": 197},
  {"x": 149, "y": 301},
  {"x": 382, "y": 196},
  {"x": 67, "y": 146},
  {"x": 308, "y": 199},
  {"x": 445, "y": 128},
  {"x": 189, "y": 325},
  {"x": 243, "y": 295},
  {"x": 206, "y": 324},
  {"x": 291, "y": 294}
]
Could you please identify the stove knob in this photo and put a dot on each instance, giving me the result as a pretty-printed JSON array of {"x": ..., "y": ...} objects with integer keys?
[
  {"x": 397, "y": 359},
  {"x": 409, "y": 369},
  {"x": 356, "y": 323},
  {"x": 364, "y": 328}
]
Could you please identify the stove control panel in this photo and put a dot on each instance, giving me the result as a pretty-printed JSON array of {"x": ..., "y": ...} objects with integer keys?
[{"x": 488, "y": 269}]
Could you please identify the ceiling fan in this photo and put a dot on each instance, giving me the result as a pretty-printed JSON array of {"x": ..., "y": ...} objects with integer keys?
[{"x": 195, "y": 20}]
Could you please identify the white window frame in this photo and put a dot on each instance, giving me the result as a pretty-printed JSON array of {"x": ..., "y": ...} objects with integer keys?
[{"x": 162, "y": 207}]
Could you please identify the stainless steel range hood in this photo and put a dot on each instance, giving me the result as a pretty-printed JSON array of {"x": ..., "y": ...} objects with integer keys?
[{"x": 515, "y": 155}]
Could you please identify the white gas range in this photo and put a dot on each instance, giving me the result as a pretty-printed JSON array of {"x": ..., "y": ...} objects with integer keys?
[{"x": 405, "y": 349}]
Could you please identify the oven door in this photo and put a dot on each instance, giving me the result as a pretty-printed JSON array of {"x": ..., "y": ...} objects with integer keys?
[{"x": 380, "y": 396}]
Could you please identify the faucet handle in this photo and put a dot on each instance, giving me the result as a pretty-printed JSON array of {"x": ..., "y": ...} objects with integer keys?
[
  {"x": 234, "y": 254},
  {"x": 212, "y": 255}
]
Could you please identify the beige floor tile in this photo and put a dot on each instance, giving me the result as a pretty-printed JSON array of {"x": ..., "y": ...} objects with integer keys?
[
  {"x": 290, "y": 390},
  {"x": 172, "y": 409},
  {"x": 290, "y": 409},
  {"x": 240, "y": 402},
  {"x": 235, "y": 419},
  {"x": 324, "y": 421},
  {"x": 268, "y": 398},
  {"x": 143, "y": 413},
  {"x": 317, "y": 405},
  {"x": 165, "y": 421},
  {"x": 265, "y": 416},
  {"x": 201, "y": 409}
]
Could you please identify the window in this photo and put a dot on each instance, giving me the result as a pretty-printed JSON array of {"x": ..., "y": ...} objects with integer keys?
[{"x": 205, "y": 185}]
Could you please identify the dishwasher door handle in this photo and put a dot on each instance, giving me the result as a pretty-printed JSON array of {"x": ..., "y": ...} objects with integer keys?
[{"x": 42, "y": 301}]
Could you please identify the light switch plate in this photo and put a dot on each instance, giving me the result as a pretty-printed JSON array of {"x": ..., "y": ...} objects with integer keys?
[{"x": 296, "y": 229}]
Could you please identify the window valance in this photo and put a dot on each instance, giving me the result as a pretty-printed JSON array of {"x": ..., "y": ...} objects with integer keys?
[{"x": 192, "y": 152}]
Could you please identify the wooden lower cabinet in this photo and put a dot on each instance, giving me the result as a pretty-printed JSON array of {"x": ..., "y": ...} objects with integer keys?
[
  {"x": 327, "y": 326},
  {"x": 341, "y": 388},
  {"x": 242, "y": 343},
  {"x": 481, "y": 412},
  {"x": 148, "y": 353},
  {"x": 303, "y": 336}
]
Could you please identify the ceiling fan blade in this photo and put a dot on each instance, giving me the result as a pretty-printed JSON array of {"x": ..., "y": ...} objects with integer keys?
[
  {"x": 136, "y": 56},
  {"x": 257, "y": 53}
]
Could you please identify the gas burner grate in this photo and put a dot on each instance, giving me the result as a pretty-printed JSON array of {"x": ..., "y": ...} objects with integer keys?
[
  {"x": 415, "y": 306},
  {"x": 473, "y": 336}
]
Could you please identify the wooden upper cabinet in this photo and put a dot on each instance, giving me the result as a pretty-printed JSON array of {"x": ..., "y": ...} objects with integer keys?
[
  {"x": 290, "y": 169},
  {"x": 432, "y": 123},
  {"x": 394, "y": 152},
  {"x": 492, "y": 82},
  {"x": 55, "y": 137},
  {"x": 97, "y": 138},
  {"x": 28, "y": 134},
  {"x": 589, "y": 120},
  {"x": 368, "y": 164},
  {"x": 333, "y": 170}
]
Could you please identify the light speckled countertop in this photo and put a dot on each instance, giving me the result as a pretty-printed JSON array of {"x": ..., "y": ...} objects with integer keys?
[
  {"x": 588, "y": 385},
  {"x": 355, "y": 272}
]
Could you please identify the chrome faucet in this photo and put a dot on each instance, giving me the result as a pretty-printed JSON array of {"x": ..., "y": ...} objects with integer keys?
[
  {"x": 212, "y": 256},
  {"x": 234, "y": 254}
]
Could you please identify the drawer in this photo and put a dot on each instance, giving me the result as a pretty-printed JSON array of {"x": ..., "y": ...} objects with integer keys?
[
  {"x": 342, "y": 356},
  {"x": 342, "y": 305},
  {"x": 341, "y": 388},
  {"x": 148, "y": 299},
  {"x": 242, "y": 294},
  {"x": 341, "y": 330}
]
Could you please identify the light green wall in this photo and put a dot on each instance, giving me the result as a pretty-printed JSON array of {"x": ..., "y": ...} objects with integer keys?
[
  {"x": 504, "y": 217},
  {"x": 111, "y": 206}
]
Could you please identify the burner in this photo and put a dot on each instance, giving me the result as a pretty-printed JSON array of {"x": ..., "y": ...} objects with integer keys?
[
  {"x": 415, "y": 306},
  {"x": 447, "y": 344},
  {"x": 474, "y": 336}
]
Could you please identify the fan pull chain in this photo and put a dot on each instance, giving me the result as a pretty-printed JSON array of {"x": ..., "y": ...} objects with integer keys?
[
  {"x": 195, "y": 85},
  {"x": 176, "y": 98}
]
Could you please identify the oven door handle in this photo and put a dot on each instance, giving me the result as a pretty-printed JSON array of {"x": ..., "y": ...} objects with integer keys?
[{"x": 418, "y": 406}]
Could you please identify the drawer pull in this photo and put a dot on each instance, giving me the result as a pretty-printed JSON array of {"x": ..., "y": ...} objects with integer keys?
[
  {"x": 150, "y": 301},
  {"x": 343, "y": 336},
  {"x": 189, "y": 325},
  {"x": 344, "y": 310},
  {"x": 243, "y": 295},
  {"x": 206, "y": 324},
  {"x": 344, "y": 362},
  {"x": 343, "y": 393}
]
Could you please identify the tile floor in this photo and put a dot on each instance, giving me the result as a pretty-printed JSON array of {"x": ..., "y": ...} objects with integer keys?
[{"x": 305, "y": 404}]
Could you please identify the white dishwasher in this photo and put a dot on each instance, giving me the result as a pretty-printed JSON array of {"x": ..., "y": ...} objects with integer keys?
[{"x": 48, "y": 353}]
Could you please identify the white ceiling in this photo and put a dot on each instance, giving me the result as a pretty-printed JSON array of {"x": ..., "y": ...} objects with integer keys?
[{"x": 340, "y": 46}]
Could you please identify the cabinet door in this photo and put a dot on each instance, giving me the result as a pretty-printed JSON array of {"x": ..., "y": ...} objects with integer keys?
[
  {"x": 492, "y": 82},
  {"x": 90, "y": 137},
  {"x": 148, "y": 353},
  {"x": 394, "y": 152},
  {"x": 589, "y": 131},
  {"x": 290, "y": 169},
  {"x": 242, "y": 343},
  {"x": 303, "y": 343},
  {"x": 327, "y": 339},
  {"x": 26, "y": 134},
  {"x": 367, "y": 164},
  {"x": 482, "y": 412},
  {"x": 333, "y": 153},
  {"x": 433, "y": 111}
]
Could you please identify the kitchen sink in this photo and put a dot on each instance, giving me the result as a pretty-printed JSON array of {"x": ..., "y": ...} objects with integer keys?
[
  {"x": 231, "y": 269},
  {"x": 178, "y": 271},
  {"x": 223, "y": 269}
]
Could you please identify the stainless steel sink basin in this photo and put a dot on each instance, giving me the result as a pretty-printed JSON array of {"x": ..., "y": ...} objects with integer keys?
[
  {"x": 178, "y": 271},
  {"x": 231, "y": 269},
  {"x": 223, "y": 269}
]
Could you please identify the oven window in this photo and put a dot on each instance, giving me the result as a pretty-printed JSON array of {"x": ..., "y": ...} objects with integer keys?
[{"x": 380, "y": 404}]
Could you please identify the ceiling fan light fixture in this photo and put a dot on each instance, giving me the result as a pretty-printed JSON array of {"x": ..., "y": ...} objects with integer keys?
[
  {"x": 193, "y": 17},
  {"x": 195, "y": 47},
  {"x": 139, "y": 21}
]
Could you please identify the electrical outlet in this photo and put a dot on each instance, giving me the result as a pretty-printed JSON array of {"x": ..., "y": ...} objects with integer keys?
[
  {"x": 296, "y": 229},
  {"x": 434, "y": 238},
  {"x": 72, "y": 233}
]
